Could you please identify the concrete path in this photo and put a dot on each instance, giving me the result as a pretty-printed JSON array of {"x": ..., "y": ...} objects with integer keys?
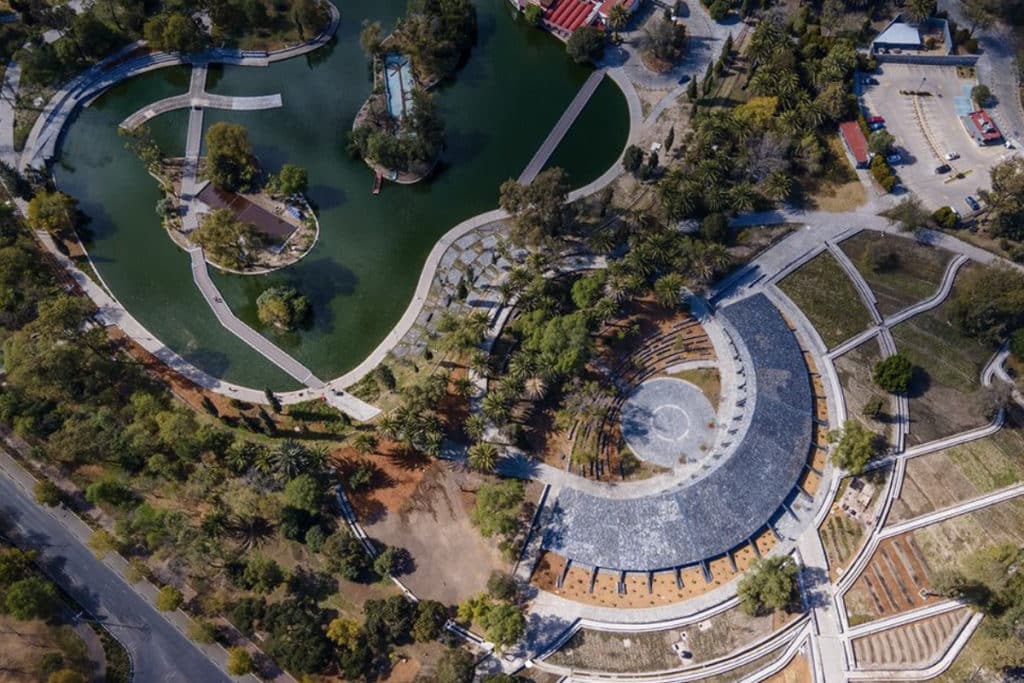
[
  {"x": 562, "y": 127},
  {"x": 204, "y": 100},
  {"x": 963, "y": 508},
  {"x": 8, "y": 96}
]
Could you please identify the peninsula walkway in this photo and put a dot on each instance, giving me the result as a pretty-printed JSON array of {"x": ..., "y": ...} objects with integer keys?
[{"x": 557, "y": 133}]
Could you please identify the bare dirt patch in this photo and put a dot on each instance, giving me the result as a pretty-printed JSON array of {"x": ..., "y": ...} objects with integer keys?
[
  {"x": 452, "y": 561},
  {"x": 838, "y": 189},
  {"x": 891, "y": 583}
]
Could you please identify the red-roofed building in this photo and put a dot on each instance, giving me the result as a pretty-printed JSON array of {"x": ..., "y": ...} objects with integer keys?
[
  {"x": 855, "y": 143},
  {"x": 606, "y": 7},
  {"x": 982, "y": 128}
]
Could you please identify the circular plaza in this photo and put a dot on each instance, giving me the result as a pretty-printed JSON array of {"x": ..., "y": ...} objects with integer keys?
[{"x": 668, "y": 422}]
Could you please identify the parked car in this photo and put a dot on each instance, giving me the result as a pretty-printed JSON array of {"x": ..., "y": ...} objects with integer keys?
[
  {"x": 952, "y": 156},
  {"x": 868, "y": 80},
  {"x": 894, "y": 158},
  {"x": 941, "y": 170},
  {"x": 973, "y": 203}
]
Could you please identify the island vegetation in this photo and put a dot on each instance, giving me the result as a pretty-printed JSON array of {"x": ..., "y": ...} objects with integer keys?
[
  {"x": 436, "y": 36},
  {"x": 282, "y": 308}
]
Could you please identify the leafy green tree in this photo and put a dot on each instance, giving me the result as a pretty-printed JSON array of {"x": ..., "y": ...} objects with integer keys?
[
  {"x": 981, "y": 95},
  {"x": 229, "y": 159},
  {"x": 54, "y": 212},
  {"x": 305, "y": 492},
  {"x": 174, "y": 32},
  {"x": 391, "y": 561},
  {"x": 388, "y": 621},
  {"x": 770, "y": 584},
  {"x": 30, "y": 598},
  {"x": 497, "y": 508},
  {"x": 988, "y": 303},
  {"x": 168, "y": 599},
  {"x": 370, "y": 37},
  {"x": 226, "y": 240},
  {"x": 455, "y": 666},
  {"x": 894, "y": 374},
  {"x": 632, "y": 159},
  {"x": 919, "y": 10},
  {"x": 539, "y": 209},
  {"x": 881, "y": 142},
  {"x": 290, "y": 180},
  {"x": 262, "y": 574},
  {"x": 586, "y": 44},
  {"x": 345, "y": 554},
  {"x": 431, "y": 617},
  {"x": 296, "y": 638},
  {"x": 239, "y": 661},
  {"x": 853, "y": 446}
]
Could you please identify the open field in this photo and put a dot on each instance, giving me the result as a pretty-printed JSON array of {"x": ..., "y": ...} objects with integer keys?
[
  {"x": 946, "y": 396},
  {"x": 797, "y": 671},
  {"x": 947, "y": 477},
  {"x": 705, "y": 379},
  {"x": 946, "y": 544},
  {"x": 652, "y": 650},
  {"x": 854, "y": 369},
  {"x": 915, "y": 645},
  {"x": 913, "y": 275},
  {"x": 827, "y": 297}
]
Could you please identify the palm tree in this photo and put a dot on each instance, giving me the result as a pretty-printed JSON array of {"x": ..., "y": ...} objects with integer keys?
[
  {"x": 463, "y": 387},
  {"x": 535, "y": 388},
  {"x": 667, "y": 289},
  {"x": 475, "y": 426},
  {"x": 618, "y": 17},
  {"x": 365, "y": 442},
  {"x": 742, "y": 197},
  {"x": 483, "y": 456},
  {"x": 495, "y": 408}
]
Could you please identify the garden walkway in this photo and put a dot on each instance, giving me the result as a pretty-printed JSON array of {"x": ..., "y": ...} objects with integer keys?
[{"x": 562, "y": 127}]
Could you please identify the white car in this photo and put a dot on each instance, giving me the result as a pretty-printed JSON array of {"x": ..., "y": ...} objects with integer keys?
[{"x": 951, "y": 156}]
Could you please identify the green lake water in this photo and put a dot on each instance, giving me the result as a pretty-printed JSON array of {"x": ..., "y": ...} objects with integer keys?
[{"x": 361, "y": 275}]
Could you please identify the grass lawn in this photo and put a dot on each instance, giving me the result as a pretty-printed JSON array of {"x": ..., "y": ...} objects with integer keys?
[
  {"x": 915, "y": 276},
  {"x": 947, "y": 477},
  {"x": 946, "y": 395},
  {"x": 827, "y": 297},
  {"x": 705, "y": 379}
]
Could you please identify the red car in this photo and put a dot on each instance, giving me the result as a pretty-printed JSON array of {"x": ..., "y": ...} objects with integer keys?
[{"x": 876, "y": 119}]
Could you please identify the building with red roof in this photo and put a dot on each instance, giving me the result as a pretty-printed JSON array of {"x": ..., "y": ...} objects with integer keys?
[
  {"x": 606, "y": 7},
  {"x": 982, "y": 128},
  {"x": 855, "y": 143}
]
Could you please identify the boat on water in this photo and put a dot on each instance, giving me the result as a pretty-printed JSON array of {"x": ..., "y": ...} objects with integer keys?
[{"x": 378, "y": 180}]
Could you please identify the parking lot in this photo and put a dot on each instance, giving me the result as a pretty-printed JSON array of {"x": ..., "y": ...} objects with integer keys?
[{"x": 927, "y": 128}]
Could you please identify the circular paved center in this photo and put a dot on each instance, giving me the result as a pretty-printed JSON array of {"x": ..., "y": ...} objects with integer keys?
[{"x": 668, "y": 422}]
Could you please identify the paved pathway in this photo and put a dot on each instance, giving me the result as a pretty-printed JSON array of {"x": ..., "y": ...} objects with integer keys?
[
  {"x": 562, "y": 127},
  {"x": 8, "y": 95},
  {"x": 204, "y": 100},
  {"x": 962, "y": 508}
]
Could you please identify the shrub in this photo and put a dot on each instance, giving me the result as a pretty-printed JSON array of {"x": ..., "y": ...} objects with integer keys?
[
  {"x": 48, "y": 493},
  {"x": 586, "y": 44},
  {"x": 239, "y": 661},
  {"x": 532, "y": 14},
  {"x": 719, "y": 10},
  {"x": 169, "y": 599},
  {"x": 854, "y": 446},
  {"x": 874, "y": 408},
  {"x": 945, "y": 218}
]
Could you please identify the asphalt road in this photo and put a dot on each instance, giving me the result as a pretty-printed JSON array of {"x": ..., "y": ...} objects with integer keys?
[{"x": 158, "y": 651}]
